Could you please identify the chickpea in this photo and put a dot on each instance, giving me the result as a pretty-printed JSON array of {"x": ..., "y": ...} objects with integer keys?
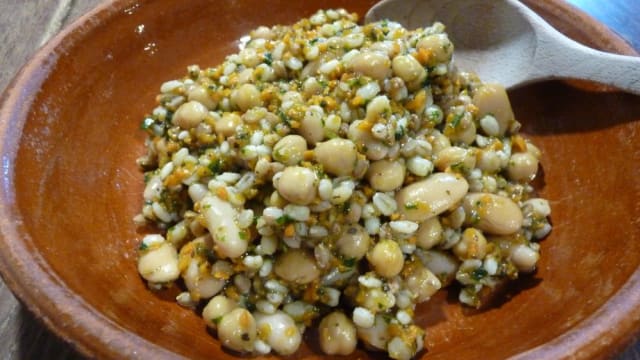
[
  {"x": 354, "y": 242},
  {"x": 386, "y": 258},
  {"x": 159, "y": 265},
  {"x": 371, "y": 63},
  {"x": 296, "y": 184},
  {"x": 249, "y": 57},
  {"x": 200, "y": 283},
  {"x": 522, "y": 167},
  {"x": 429, "y": 233},
  {"x": 297, "y": 266},
  {"x": 492, "y": 99},
  {"x": 200, "y": 94},
  {"x": 311, "y": 127},
  {"x": 524, "y": 258},
  {"x": 217, "y": 307},
  {"x": 472, "y": 245},
  {"x": 227, "y": 124},
  {"x": 237, "y": 330},
  {"x": 489, "y": 161},
  {"x": 247, "y": 96},
  {"x": 337, "y": 334},
  {"x": 378, "y": 107},
  {"x": 410, "y": 70},
  {"x": 190, "y": 114},
  {"x": 386, "y": 175},
  {"x": 290, "y": 149},
  {"x": 337, "y": 156},
  {"x": 439, "y": 46},
  {"x": 279, "y": 331}
]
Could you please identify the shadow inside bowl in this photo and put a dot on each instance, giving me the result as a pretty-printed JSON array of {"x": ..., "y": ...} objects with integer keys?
[{"x": 74, "y": 187}]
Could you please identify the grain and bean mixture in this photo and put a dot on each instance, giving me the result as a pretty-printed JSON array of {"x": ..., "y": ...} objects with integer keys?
[{"x": 335, "y": 174}]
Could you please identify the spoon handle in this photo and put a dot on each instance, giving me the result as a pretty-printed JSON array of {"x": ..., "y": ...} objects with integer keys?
[
  {"x": 559, "y": 57},
  {"x": 569, "y": 59}
]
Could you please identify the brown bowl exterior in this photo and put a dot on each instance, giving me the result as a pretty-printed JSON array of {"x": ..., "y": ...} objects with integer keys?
[{"x": 69, "y": 130}]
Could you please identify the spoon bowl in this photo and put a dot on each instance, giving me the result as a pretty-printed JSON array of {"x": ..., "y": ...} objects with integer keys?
[{"x": 510, "y": 44}]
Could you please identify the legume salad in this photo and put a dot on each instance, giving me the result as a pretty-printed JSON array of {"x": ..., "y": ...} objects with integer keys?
[{"x": 335, "y": 174}]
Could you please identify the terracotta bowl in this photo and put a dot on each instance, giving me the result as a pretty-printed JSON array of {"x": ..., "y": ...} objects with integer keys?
[{"x": 69, "y": 187}]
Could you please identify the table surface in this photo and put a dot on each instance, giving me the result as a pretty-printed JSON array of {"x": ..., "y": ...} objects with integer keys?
[{"x": 25, "y": 25}]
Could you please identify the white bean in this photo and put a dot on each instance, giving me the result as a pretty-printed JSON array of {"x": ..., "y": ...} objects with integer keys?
[
  {"x": 377, "y": 335},
  {"x": 492, "y": 99},
  {"x": 455, "y": 156},
  {"x": 237, "y": 330},
  {"x": 378, "y": 107},
  {"x": 493, "y": 214},
  {"x": 337, "y": 334},
  {"x": 220, "y": 218},
  {"x": 442, "y": 263},
  {"x": 311, "y": 127},
  {"x": 430, "y": 197}
]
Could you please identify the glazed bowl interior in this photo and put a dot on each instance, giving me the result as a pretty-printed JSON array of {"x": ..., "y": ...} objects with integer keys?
[{"x": 70, "y": 137}]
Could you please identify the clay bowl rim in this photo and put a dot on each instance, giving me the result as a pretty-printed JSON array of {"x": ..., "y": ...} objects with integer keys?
[{"x": 610, "y": 327}]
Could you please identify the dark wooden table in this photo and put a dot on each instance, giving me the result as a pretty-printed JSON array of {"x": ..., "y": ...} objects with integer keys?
[{"x": 25, "y": 25}]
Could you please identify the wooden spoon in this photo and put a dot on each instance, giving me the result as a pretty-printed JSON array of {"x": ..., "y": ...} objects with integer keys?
[{"x": 504, "y": 41}]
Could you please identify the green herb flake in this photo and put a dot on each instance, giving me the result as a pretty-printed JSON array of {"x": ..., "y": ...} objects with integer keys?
[
  {"x": 349, "y": 262},
  {"x": 146, "y": 123},
  {"x": 284, "y": 219},
  {"x": 456, "y": 120},
  {"x": 216, "y": 166},
  {"x": 411, "y": 205},
  {"x": 143, "y": 246},
  {"x": 217, "y": 320},
  {"x": 479, "y": 273},
  {"x": 268, "y": 58},
  {"x": 399, "y": 133}
]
